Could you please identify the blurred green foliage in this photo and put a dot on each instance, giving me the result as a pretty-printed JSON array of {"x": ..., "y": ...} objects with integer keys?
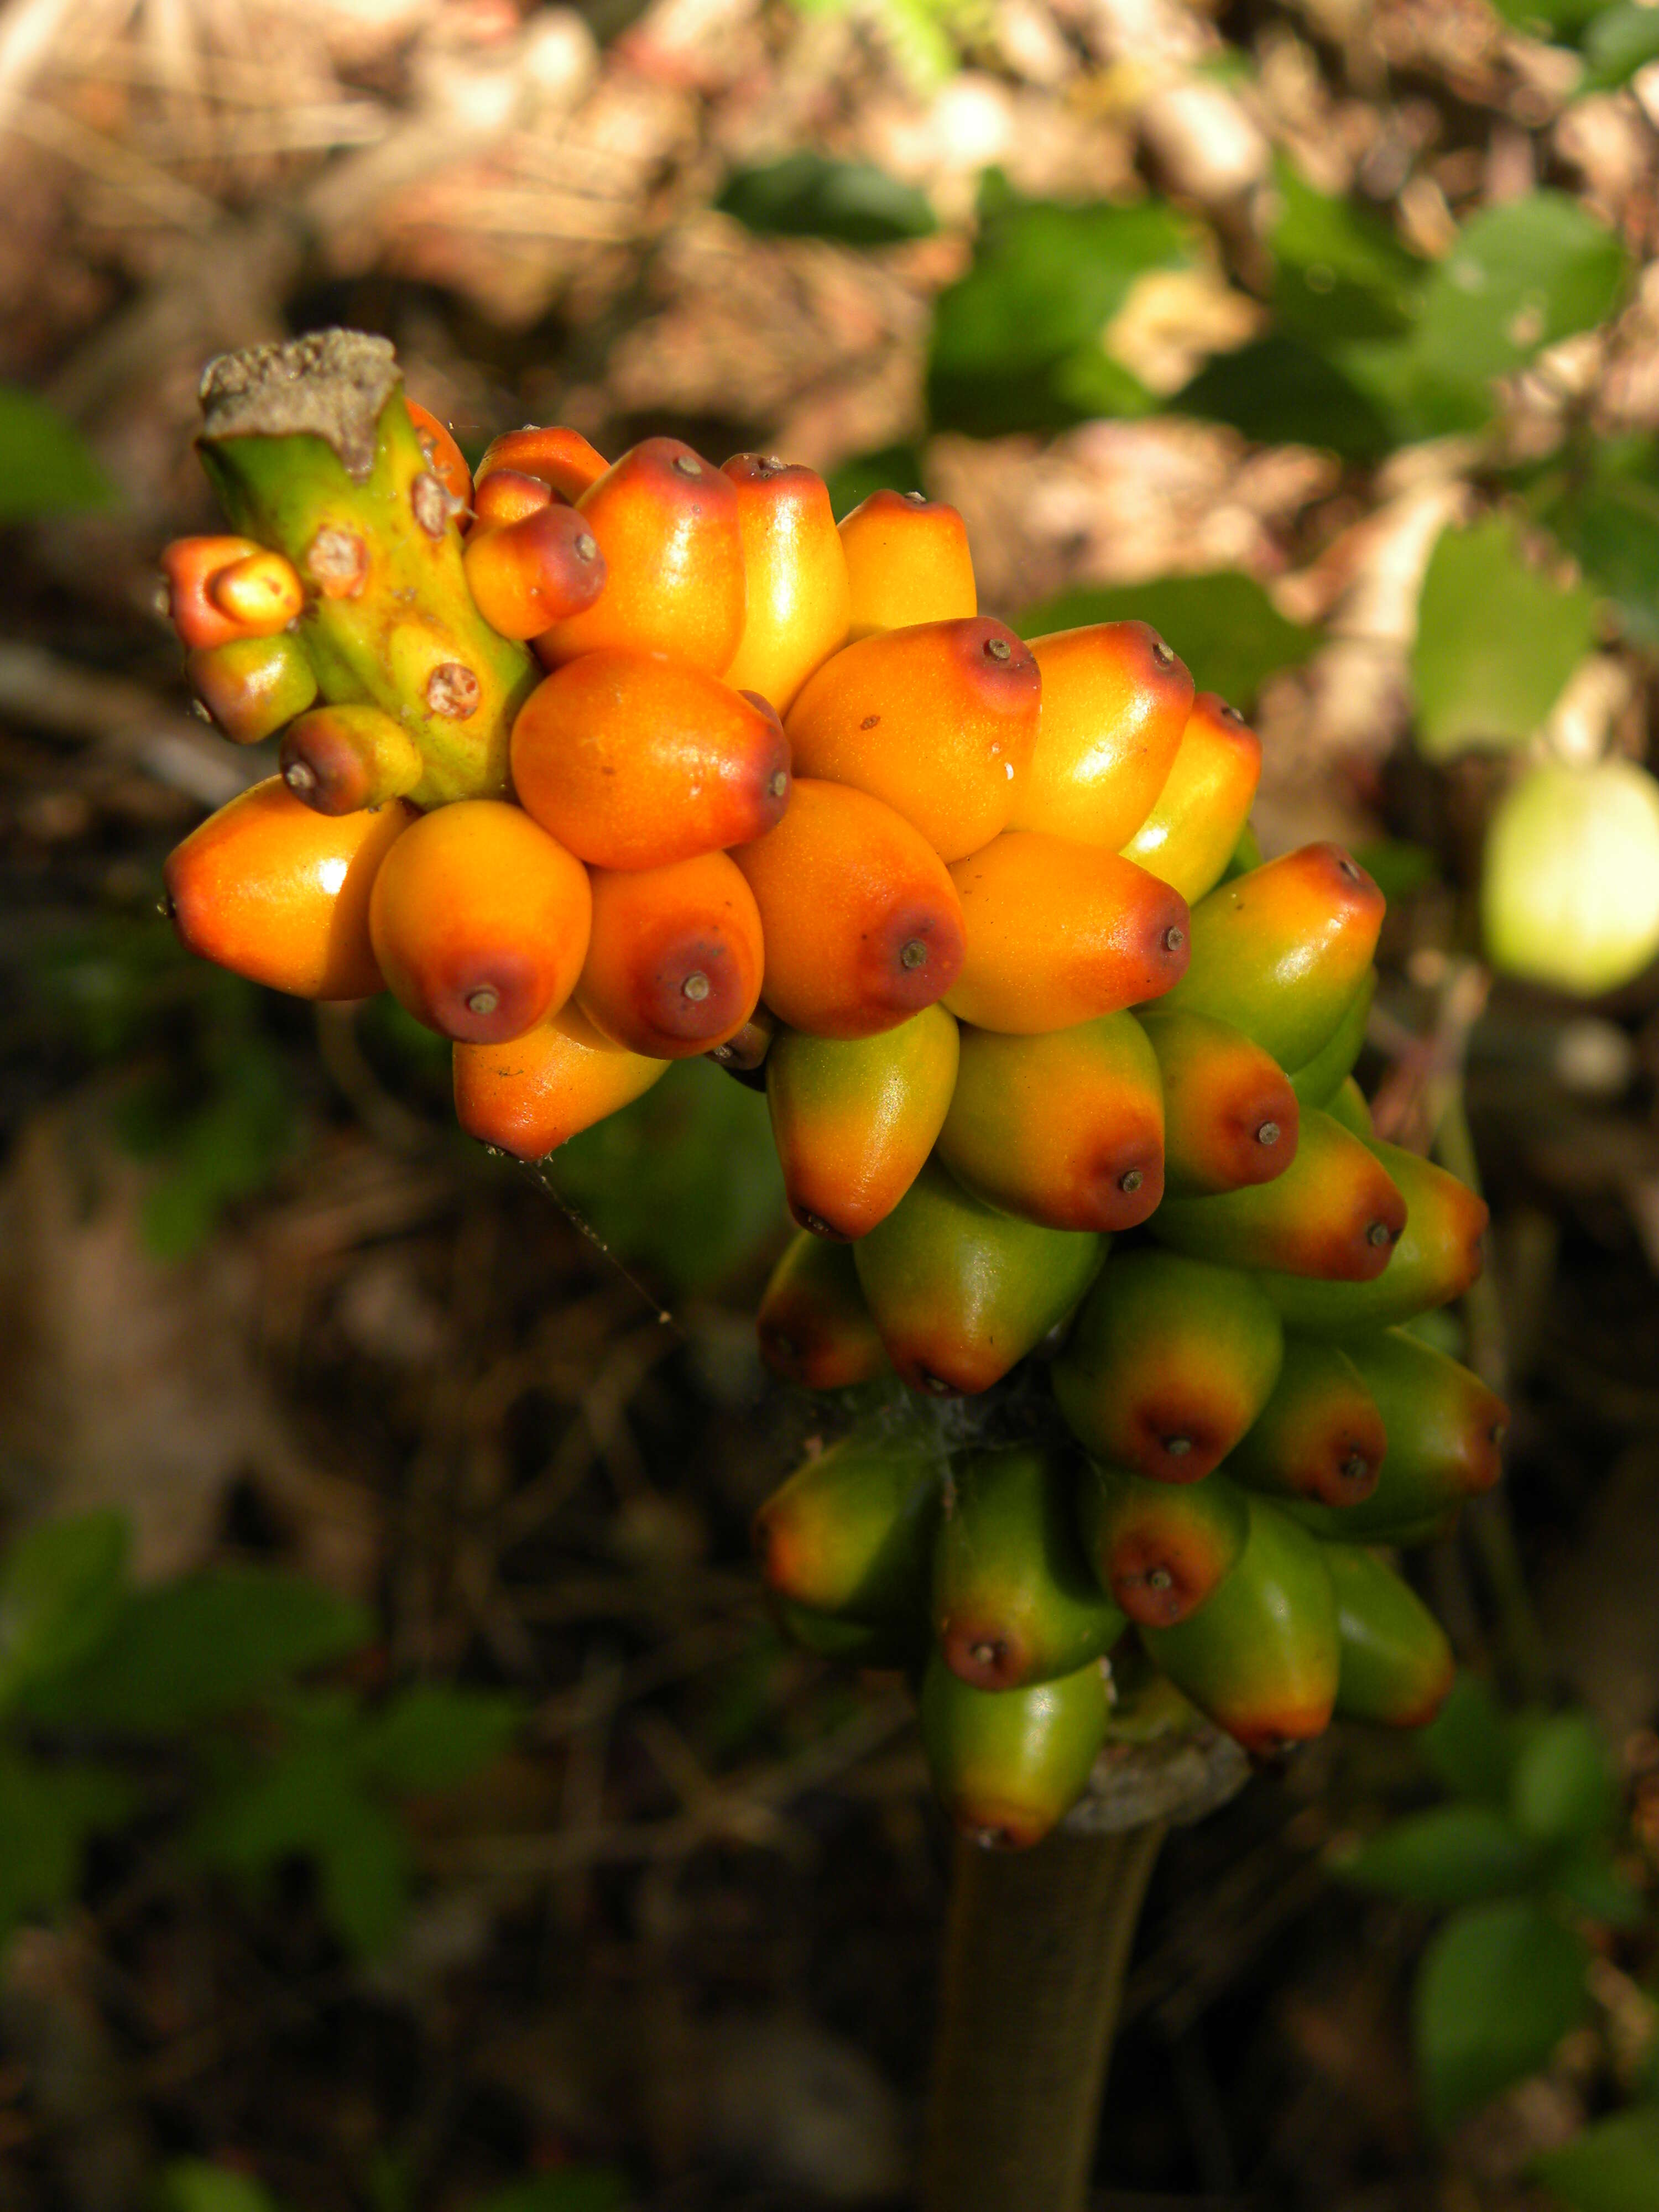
[
  {"x": 1525, "y": 1860},
  {"x": 191, "y": 2184},
  {"x": 1232, "y": 636},
  {"x": 212, "y": 1673},
  {"x": 46, "y": 467},
  {"x": 807, "y": 195},
  {"x": 684, "y": 1183}
]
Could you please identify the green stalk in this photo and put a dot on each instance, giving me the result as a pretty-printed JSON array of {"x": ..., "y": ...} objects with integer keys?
[
  {"x": 1036, "y": 1950},
  {"x": 1036, "y": 1947},
  {"x": 311, "y": 450}
]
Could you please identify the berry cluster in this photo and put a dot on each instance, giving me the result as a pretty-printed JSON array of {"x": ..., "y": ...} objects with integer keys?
[{"x": 597, "y": 767}]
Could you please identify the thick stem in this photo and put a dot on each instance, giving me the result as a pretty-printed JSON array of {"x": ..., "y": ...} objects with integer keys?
[
  {"x": 312, "y": 452},
  {"x": 1036, "y": 1951}
]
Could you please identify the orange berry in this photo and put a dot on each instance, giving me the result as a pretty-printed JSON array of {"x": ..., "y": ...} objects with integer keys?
[
  {"x": 939, "y": 720},
  {"x": 443, "y": 456},
  {"x": 633, "y": 761},
  {"x": 667, "y": 526},
  {"x": 1115, "y": 703},
  {"x": 220, "y": 589},
  {"x": 482, "y": 927},
  {"x": 1060, "y": 932},
  {"x": 277, "y": 893},
  {"x": 560, "y": 457},
  {"x": 526, "y": 575},
  {"x": 1188, "y": 837},
  {"x": 532, "y": 1093},
  {"x": 507, "y": 496},
  {"x": 863, "y": 926},
  {"x": 907, "y": 561},
  {"x": 674, "y": 962},
  {"x": 795, "y": 574}
]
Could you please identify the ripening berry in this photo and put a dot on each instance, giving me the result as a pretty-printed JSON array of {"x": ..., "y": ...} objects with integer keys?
[
  {"x": 339, "y": 758},
  {"x": 796, "y": 592},
  {"x": 1008, "y": 1765},
  {"x": 1058, "y": 932},
  {"x": 813, "y": 1326},
  {"x": 1065, "y": 1128},
  {"x": 1195, "y": 825},
  {"x": 1397, "y": 1666},
  {"x": 560, "y": 458},
  {"x": 961, "y": 1292},
  {"x": 1169, "y": 1362},
  {"x": 443, "y": 456},
  {"x": 1231, "y": 1116},
  {"x": 482, "y": 927},
  {"x": 666, "y": 521},
  {"x": 1319, "y": 1436},
  {"x": 1161, "y": 1549},
  {"x": 1280, "y": 952},
  {"x": 1435, "y": 1259},
  {"x": 281, "y": 894},
  {"x": 852, "y": 1531},
  {"x": 1445, "y": 1429},
  {"x": 633, "y": 761},
  {"x": 1335, "y": 1213},
  {"x": 1014, "y": 1600},
  {"x": 1116, "y": 701},
  {"x": 530, "y": 1094},
  {"x": 907, "y": 561},
  {"x": 223, "y": 588},
  {"x": 1261, "y": 1658},
  {"x": 855, "y": 1119},
  {"x": 862, "y": 923},
  {"x": 673, "y": 962},
  {"x": 526, "y": 575},
  {"x": 508, "y": 495},
  {"x": 938, "y": 721},
  {"x": 1320, "y": 1080},
  {"x": 253, "y": 685}
]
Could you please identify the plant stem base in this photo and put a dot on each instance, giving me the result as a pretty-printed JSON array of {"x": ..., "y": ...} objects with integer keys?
[{"x": 1036, "y": 1950}]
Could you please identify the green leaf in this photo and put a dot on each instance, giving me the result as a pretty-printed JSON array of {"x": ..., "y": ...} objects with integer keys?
[
  {"x": 1609, "y": 521},
  {"x": 192, "y": 2184},
  {"x": 45, "y": 467},
  {"x": 1496, "y": 641},
  {"x": 1563, "y": 1789},
  {"x": 1016, "y": 343},
  {"x": 1499, "y": 1986},
  {"x": 1398, "y": 868},
  {"x": 1591, "y": 1884},
  {"x": 1620, "y": 41},
  {"x": 46, "y": 1815},
  {"x": 1611, "y": 2166},
  {"x": 434, "y": 1735},
  {"x": 890, "y": 468},
  {"x": 1469, "y": 1744},
  {"x": 1560, "y": 20},
  {"x": 310, "y": 1803},
  {"x": 807, "y": 195},
  {"x": 60, "y": 1585},
  {"x": 220, "y": 1148},
  {"x": 1340, "y": 272},
  {"x": 1223, "y": 626},
  {"x": 200, "y": 1647},
  {"x": 1521, "y": 276},
  {"x": 1452, "y": 1855},
  {"x": 684, "y": 1182},
  {"x": 1283, "y": 391}
]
